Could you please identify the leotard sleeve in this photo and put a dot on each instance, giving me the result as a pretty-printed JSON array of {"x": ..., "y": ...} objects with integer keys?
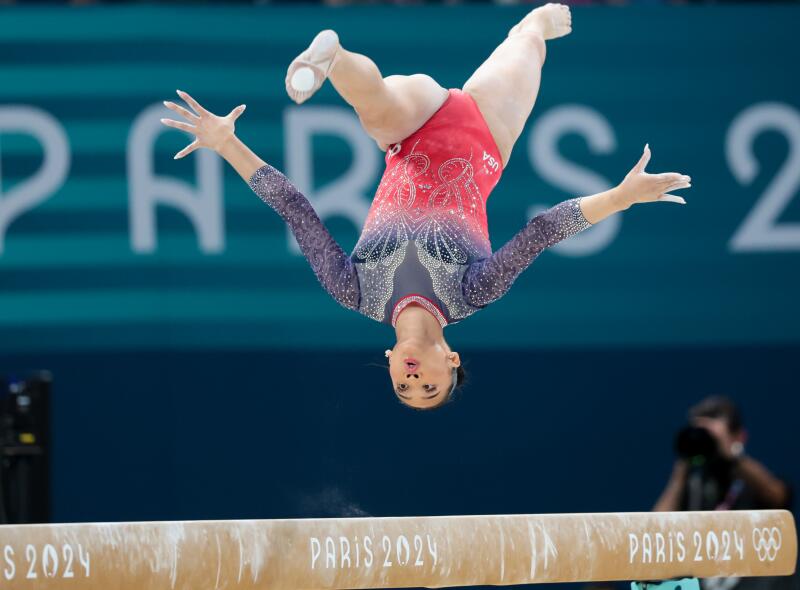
[
  {"x": 333, "y": 267},
  {"x": 489, "y": 279}
]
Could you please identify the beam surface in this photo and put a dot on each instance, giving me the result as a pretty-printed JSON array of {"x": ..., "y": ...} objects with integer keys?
[{"x": 396, "y": 552}]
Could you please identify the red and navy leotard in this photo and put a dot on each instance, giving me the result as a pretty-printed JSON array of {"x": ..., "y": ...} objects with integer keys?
[{"x": 425, "y": 240}]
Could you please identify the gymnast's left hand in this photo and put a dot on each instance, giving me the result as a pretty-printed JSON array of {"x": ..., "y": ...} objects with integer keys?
[
  {"x": 210, "y": 130},
  {"x": 641, "y": 187}
]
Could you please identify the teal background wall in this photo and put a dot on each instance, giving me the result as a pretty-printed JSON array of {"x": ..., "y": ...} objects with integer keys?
[{"x": 711, "y": 89}]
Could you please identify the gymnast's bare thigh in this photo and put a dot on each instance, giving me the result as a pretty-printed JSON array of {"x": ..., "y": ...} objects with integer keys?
[{"x": 411, "y": 101}]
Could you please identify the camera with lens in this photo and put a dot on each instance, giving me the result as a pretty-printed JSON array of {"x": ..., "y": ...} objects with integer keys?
[
  {"x": 697, "y": 445},
  {"x": 710, "y": 472}
]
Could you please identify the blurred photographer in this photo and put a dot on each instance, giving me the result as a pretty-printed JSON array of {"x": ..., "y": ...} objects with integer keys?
[{"x": 713, "y": 472}]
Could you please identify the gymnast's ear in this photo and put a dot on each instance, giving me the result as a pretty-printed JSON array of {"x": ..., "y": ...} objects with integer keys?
[
  {"x": 387, "y": 353},
  {"x": 453, "y": 360}
]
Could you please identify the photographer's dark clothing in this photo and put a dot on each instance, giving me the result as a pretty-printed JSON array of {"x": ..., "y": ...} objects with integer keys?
[
  {"x": 716, "y": 488},
  {"x": 713, "y": 486}
]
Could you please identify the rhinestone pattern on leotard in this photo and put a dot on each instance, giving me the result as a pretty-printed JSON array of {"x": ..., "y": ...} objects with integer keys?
[
  {"x": 421, "y": 301},
  {"x": 439, "y": 210},
  {"x": 455, "y": 254}
]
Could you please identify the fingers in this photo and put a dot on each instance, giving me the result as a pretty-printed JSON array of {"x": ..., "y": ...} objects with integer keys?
[
  {"x": 672, "y": 199},
  {"x": 677, "y": 186},
  {"x": 235, "y": 113},
  {"x": 642, "y": 163},
  {"x": 674, "y": 187},
  {"x": 181, "y": 111},
  {"x": 187, "y": 150},
  {"x": 672, "y": 178},
  {"x": 192, "y": 103},
  {"x": 179, "y": 125}
]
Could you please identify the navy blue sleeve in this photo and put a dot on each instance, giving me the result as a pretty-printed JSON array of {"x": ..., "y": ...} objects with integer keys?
[
  {"x": 333, "y": 267},
  {"x": 487, "y": 280}
]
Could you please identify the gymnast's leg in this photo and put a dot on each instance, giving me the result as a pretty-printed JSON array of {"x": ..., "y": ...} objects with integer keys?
[
  {"x": 390, "y": 109},
  {"x": 506, "y": 84}
]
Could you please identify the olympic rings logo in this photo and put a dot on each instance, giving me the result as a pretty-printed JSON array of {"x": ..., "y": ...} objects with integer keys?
[{"x": 767, "y": 543}]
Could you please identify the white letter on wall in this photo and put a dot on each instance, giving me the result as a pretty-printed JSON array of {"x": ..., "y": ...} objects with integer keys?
[
  {"x": 51, "y": 174},
  {"x": 761, "y": 230},
  {"x": 202, "y": 205},
  {"x": 343, "y": 196},
  {"x": 550, "y": 165}
]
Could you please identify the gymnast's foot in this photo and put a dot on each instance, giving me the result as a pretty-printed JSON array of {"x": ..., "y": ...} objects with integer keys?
[
  {"x": 309, "y": 69},
  {"x": 551, "y": 21}
]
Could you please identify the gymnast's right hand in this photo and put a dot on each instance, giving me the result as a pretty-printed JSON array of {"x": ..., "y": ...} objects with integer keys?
[{"x": 210, "y": 130}]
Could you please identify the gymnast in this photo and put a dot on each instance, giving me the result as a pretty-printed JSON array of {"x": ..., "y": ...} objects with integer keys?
[{"x": 424, "y": 259}]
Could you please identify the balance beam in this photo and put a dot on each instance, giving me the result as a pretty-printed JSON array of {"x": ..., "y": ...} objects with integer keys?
[{"x": 435, "y": 552}]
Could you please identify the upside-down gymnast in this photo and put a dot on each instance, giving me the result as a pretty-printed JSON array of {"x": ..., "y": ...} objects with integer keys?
[{"x": 424, "y": 260}]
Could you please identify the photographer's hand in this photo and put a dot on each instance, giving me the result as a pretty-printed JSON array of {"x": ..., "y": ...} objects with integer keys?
[
  {"x": 773, "y": 491},
  {"x": 670, "y": 498}
]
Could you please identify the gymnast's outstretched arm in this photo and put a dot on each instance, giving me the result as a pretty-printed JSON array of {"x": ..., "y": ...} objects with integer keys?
[
  {"x": 487, "y": 280},
  {"x": 333, "y": 267}
]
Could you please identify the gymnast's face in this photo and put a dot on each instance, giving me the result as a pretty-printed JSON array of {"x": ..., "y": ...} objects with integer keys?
[{"x": 422, "y": 375}]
